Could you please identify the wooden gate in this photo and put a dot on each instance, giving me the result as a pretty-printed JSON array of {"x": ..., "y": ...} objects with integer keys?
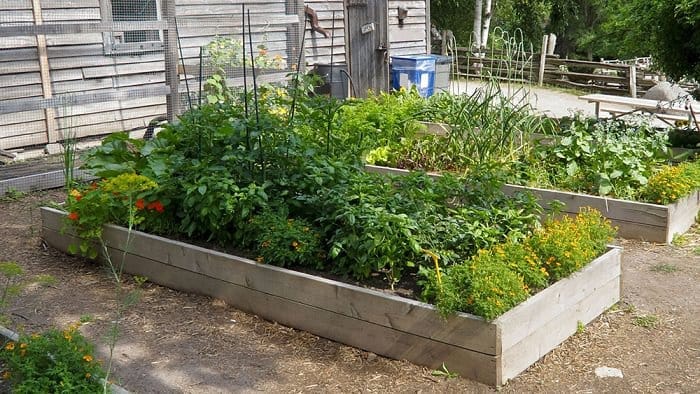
[{"x": 368, "y": 44}]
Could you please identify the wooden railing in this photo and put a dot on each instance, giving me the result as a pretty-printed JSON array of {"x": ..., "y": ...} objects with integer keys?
[{"x": 619, "y": 79}]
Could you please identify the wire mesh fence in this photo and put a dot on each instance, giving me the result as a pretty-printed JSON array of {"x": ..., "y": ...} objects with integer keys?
[{"x": 76, "y": 71}]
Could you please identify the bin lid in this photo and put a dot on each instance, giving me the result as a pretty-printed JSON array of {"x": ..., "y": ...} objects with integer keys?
[{"x": 413, "y": 57}]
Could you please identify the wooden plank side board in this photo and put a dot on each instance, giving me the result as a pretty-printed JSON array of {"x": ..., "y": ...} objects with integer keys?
[
  {"x": 520, "y": 356},
  {"x": 342, "y": 328},
  {"x": 391, "y": 326},
  {"x": 683, "y": 214},
  {"x": 634, "y": 220},
  {"x": 558, "y": 298},
  {"x": 371, "y": 305},
  {"x": 612, "y": 208}
]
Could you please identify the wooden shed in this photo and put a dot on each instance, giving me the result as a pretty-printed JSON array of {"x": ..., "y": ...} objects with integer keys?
[{"x": 86, "y": 68}]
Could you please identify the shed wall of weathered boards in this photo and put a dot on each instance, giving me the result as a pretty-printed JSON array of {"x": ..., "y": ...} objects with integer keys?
[{"x": 51, "y": 65}]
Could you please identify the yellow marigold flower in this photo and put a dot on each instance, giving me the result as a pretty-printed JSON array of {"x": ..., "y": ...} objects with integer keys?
[
  {"x": 88, "y": 375},
  {"x": 22, "y": 345},
  {"x": 260, "y": 259},
  {"x": 10, "y": 346},
  {"x": 35, "y": 336},
  {"x": 87, "y": 358}
]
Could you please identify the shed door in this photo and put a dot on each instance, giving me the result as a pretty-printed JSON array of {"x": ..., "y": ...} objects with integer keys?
[{"x": 368, "y": 44}]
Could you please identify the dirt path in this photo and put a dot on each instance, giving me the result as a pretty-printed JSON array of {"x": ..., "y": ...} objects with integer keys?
[{"x": 176, "y": 342}]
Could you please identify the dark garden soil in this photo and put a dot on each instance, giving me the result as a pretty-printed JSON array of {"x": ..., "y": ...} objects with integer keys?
[{"x": 177, "y": 342}]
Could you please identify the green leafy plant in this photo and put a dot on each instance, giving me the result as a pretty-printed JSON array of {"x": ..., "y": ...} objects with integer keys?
[
  {"x": 284, "y": 241},
  {"x": 608, "y": 158},
  {"x": 52, "y": 362}
]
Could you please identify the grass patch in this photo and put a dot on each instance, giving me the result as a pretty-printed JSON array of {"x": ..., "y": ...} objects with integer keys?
[{"x": 664, "y": 268}]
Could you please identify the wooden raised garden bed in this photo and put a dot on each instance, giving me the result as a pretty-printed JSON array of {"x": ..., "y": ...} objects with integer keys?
[
  {"x": 634, "y": 220},
  {"x": 396, "y": 327}
]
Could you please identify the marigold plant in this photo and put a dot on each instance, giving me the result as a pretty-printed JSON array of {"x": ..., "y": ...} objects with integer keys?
[
  {"x": 57, "y": 361},
  {"x": 566, "y": 245},
  {"x": 671, "y": 183},
  {"x": 126, "y": 198},
  {"x": 496, "y": 279}
]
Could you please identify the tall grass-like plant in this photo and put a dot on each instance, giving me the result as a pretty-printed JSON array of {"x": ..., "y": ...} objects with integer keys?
[
  {"x": 487, "y": 127},
  {"x": 68, "y": 152}
]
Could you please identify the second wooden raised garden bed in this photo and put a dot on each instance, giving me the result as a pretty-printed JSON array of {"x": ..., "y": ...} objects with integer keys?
[{"x": 634, "y": 220}]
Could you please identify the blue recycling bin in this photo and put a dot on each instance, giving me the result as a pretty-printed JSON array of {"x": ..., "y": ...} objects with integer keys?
[{"x": 414, "y": 70}]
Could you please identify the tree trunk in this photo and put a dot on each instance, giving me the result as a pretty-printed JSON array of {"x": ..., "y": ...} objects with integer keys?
[
  {"x": 487, "y": 24},
  {"x": 477, "y": 23}
]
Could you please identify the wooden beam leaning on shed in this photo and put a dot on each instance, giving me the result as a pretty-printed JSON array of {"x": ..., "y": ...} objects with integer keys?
[{"x": 52, "y": 128}]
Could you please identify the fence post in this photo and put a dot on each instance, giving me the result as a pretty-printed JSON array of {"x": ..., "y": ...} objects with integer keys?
[
  {"x": 633, "y": 80},
  {"x": 172, "y": 78},
  {"x": 543, "y": 60}
]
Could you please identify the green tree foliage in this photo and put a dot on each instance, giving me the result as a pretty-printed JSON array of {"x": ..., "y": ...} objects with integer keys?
[{"x": 669, "y": 30}]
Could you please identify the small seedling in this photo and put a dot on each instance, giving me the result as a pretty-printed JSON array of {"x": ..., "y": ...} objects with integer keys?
[
  {"x": 696, "y": 251},
  {"x": 580, "y": 327},
  {"x": 646, "y": 321},
  {"x": 664, "y": 268},
  {"x": 679, "y": 240},
  {"x": 444, "y": 372}
]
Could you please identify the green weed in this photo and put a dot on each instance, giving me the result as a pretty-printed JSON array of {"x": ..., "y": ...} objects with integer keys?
[
  {"x": 646, "y": 321},
  {"x": 444, "y": 372}
]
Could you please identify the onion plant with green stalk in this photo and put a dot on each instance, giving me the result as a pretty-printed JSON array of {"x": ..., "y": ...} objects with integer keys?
[{"x": 68, "y": 151}]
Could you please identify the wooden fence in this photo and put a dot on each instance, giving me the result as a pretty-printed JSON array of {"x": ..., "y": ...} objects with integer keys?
[{"x": 618, "y": 79}]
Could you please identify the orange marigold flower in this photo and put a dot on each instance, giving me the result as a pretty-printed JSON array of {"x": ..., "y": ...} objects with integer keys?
[
  {"x": 140, "y": 204},
  {"x": 10, "y": 346},
  {"x": 87, "y": 358},
  {"x": 73, "y": 216}
]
